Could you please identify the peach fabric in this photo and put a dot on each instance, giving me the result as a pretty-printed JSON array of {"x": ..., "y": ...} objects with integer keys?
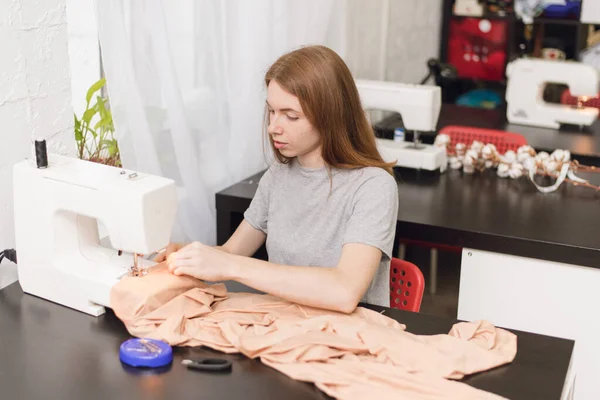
[{"x": 361, "y": 355}]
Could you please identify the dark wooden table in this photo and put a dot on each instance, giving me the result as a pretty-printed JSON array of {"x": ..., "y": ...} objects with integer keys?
[
  {"x": 479, "y": 211},
  {"x": 48, "y": 351},
  {"x": 584, "y": 143}
]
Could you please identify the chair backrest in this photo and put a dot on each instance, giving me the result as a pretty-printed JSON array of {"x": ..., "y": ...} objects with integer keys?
[
  {"x": 406, "y": 285},
  {"x": 567, "y": 98},
  {"x": 503, "y": 140}
]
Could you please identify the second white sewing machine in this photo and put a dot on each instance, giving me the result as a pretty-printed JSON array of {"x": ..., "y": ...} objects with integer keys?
[
  {"x": 419, "y": 107},
  {"x": 527, "y": 78},
  {"x": 60, "y": 257}
]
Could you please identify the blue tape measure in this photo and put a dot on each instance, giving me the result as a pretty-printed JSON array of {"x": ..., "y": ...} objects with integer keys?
[{"x": 148, "y": 353}]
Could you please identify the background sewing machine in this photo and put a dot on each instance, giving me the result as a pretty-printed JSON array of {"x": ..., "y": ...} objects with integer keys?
[
  {"x": 60, "y": 257},
  {"x": 419, "y": 106},
  {"x": 524, "y": 93}
]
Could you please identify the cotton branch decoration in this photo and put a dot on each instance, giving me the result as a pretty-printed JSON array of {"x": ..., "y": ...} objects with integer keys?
[{"x": 524, "y": 162}]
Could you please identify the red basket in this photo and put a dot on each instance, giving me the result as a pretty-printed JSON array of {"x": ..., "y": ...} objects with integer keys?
[{"x": 503, "y": 140}]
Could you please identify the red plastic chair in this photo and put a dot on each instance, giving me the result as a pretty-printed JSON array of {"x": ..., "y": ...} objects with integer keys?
[
  {"x": 567, "y": 98},
  {"x": 406, "y": 285},
  {"x": 503, "y": 141}
]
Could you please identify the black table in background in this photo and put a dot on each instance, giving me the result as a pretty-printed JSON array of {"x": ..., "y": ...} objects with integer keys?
[
  {"x": 479, "y": 211},
  {"x": 52, "y": 352},
  {"x": 584, "y": 143}
]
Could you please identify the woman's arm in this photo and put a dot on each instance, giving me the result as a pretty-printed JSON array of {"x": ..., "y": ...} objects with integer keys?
[
  {"x": 339, "y": 288},
  {"x": 245, "y": 241}
]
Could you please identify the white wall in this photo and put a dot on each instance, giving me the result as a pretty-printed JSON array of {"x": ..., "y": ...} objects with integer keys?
[
  {"x": 84, "y": 50},
  {"x": 35, "y": 95},
  {"x": 411, "y": 38}
]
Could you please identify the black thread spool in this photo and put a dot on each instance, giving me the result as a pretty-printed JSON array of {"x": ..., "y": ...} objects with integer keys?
[{"x": 41, "y": 155}]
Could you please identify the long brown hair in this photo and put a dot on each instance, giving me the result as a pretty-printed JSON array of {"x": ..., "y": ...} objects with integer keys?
[{"x": 327, "y": 93}]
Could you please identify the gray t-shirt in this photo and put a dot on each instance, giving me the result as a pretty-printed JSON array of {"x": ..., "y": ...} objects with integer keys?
[{"x": 308, "y": 217}]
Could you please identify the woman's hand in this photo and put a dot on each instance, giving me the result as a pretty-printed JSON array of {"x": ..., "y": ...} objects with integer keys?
[
  {"x": 171, "y": 248},
  {"x": 202, "y": 262}
]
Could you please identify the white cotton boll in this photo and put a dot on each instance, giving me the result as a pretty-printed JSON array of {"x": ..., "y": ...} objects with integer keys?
[
  {"x": 468, "y": 169},
  {"x": 477, "y": 146},
  {"x": 489, "y": 163},
  {"x": 515, "y": 174},
  {"x": 460, "y": 149},
  {"x": 454, "y": 163},
  {"x": 472, "y": 154},
  {"x": 460, "y": 158},
  {"x": 557, "y": 154},
  {"x": 488, "y": 151},
  {"x": 561, "y": 155},
  {"x": 502, "y": 170},
  {"x": 551, "y": 165},
  {"x": 468, "y": 160},
  {"x": 521, "y": 157},
  {"x": 509, "y": 157},
  {"x": 526, "y": 149},
  {"x": 529, "y": 164},
  {"x": 542, "y": 156},
  {"x": 442, "y": 140},
  {"x": 516, "y": 171}
]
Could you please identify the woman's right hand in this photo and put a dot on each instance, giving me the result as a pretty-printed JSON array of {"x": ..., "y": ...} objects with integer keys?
[{"x": 171, "y": 248}]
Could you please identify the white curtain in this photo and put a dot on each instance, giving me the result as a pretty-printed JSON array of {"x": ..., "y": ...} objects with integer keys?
[{"x": 185, "y": 82}]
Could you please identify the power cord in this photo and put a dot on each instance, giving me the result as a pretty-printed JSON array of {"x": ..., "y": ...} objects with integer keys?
[{"x": 9, "y": 254}]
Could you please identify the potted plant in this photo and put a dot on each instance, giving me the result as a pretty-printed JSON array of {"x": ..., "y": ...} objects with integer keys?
[{"x": 94, "y": 131}]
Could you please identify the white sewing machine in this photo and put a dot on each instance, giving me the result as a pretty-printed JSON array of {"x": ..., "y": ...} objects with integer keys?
[
  {"x": 419, "y": 106},
  {"x": 524, "y": 93},
  {"x": 60, "y": 257}
]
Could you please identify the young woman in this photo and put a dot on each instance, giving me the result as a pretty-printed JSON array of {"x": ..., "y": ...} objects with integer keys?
[{"x": 326, "y": 207}]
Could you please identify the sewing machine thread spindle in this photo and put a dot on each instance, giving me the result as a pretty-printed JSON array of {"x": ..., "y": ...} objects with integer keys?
[{"x": 41, "y": 155}]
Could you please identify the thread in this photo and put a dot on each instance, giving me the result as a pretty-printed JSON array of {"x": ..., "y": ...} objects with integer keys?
[{"x": 41, "y": 154}]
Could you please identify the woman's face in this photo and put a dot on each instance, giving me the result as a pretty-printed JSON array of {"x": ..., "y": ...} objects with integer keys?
[{"x": 291, "y": 132}]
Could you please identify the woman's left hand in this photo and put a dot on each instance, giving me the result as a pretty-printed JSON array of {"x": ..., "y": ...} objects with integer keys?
[{"x": 202, "y": 262}]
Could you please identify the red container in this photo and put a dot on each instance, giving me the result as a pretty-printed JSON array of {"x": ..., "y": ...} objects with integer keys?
[{"x": 477, "y": 47}]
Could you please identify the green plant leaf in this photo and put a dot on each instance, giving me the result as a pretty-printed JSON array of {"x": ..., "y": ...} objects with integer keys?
[
  {"x": 88, "y": 115},
  {"x": 105, "y": 123},
  {"x": 110, "y": 145},
  {"x": 100, "y": 102},
  {"x": 77, "y": 129},
  {"x": 93, "y": 132},
  {"x": 93, "y": 89},
  {"x": 78, "y": 136}
]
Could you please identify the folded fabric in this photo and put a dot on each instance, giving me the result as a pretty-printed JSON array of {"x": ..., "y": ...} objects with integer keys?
[{"x": 348, "y": 356}]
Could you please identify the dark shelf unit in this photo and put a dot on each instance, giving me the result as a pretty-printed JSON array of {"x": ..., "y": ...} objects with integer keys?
[{"x": 573, "y": 31}]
